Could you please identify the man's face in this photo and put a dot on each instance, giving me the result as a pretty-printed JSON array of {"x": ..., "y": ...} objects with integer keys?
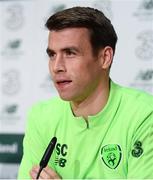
[{"x": 75, "y": 71}]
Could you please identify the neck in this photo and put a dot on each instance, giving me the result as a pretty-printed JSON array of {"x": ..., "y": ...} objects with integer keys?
[{"x": 93, "y": 103}]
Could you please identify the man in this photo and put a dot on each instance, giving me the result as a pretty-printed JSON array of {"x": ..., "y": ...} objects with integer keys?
[{"x": 103, "y": 130}]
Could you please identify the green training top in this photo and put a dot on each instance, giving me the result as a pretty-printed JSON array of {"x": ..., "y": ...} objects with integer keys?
[{"x": 115, "y": 143}]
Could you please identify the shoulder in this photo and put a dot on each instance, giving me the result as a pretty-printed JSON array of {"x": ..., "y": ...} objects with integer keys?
[
  {"x": 134, "y": 97},
  {"x": 135, "y": 106},
  {"x": 136, "y": 111},
  {"x": 52, "y": 104},
  {"x": 47, "y": 112}
]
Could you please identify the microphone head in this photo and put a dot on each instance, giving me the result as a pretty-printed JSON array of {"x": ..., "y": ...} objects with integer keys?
[
  {"x": 53, "y": 140},
  {"x": 44, "y": 161}
]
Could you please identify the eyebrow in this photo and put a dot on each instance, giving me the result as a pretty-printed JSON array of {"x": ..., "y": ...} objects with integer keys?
[
  {"x": 73, "y": 48},
  {"x": 49, "y": 51}
]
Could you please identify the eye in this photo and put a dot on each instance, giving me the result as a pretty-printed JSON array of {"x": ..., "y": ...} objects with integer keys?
[
  {"x": 70, "y": 52},
  {"x": 51, "y": 54}
]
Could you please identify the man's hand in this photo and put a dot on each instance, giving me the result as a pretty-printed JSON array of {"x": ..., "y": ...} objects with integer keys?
[{"x": 46, "y": 173}]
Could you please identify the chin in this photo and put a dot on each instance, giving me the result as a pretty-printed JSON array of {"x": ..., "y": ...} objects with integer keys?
[{"x": 66, "y": 98}]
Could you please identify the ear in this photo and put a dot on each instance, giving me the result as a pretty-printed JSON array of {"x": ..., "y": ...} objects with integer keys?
[{"x": 106, "y": 57}]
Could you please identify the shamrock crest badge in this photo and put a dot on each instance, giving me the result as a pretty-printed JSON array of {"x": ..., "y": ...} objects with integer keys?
[{"x": 111, "y": 155}]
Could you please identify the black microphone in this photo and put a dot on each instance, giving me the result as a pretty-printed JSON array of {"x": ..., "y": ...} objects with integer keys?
[{"x": 44, "y": 161}]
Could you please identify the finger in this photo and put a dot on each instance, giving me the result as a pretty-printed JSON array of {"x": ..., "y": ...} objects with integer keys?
[
  {"x": 33, "y": 175},
  {"x": 44, "y": 175},
  {"x": 34, "y": 171},
  {"x": 52, "y": 173}
]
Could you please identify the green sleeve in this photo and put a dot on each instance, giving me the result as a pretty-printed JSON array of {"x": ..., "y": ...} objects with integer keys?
[
  {"x": 32, "y": 145},
  {"x": 140, "y": 162}
]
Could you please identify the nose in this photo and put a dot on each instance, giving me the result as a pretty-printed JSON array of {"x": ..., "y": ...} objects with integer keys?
[{"x": 58, "y": 65}]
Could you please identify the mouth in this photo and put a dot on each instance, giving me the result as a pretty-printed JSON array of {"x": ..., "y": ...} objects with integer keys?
[{"x": 63, "y": 83}]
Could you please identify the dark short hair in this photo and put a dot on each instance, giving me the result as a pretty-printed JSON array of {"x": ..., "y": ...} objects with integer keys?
[{"x": 101, "y": 30}]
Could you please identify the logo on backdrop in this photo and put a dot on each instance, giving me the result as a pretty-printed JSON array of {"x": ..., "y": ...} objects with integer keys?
[
  {"x": 14, "y": 14},
  {"x": 144, "y": 50},
  {"x": 10, "y": 109},
  {"x": 58, "y": 7},
  {"x": 111, "y": 155},
  {"x": 11, "y": 82},
  {"x": 144, "y": 80},
  {"x": 104, "y": 6},
  {"x": 12, "y": 49},
  {"x": 145, "y": 10},
  {"x": 145, "y": 75},
  {"x": 11, "y": 148},
  {"x": 9, "y": 112}
]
